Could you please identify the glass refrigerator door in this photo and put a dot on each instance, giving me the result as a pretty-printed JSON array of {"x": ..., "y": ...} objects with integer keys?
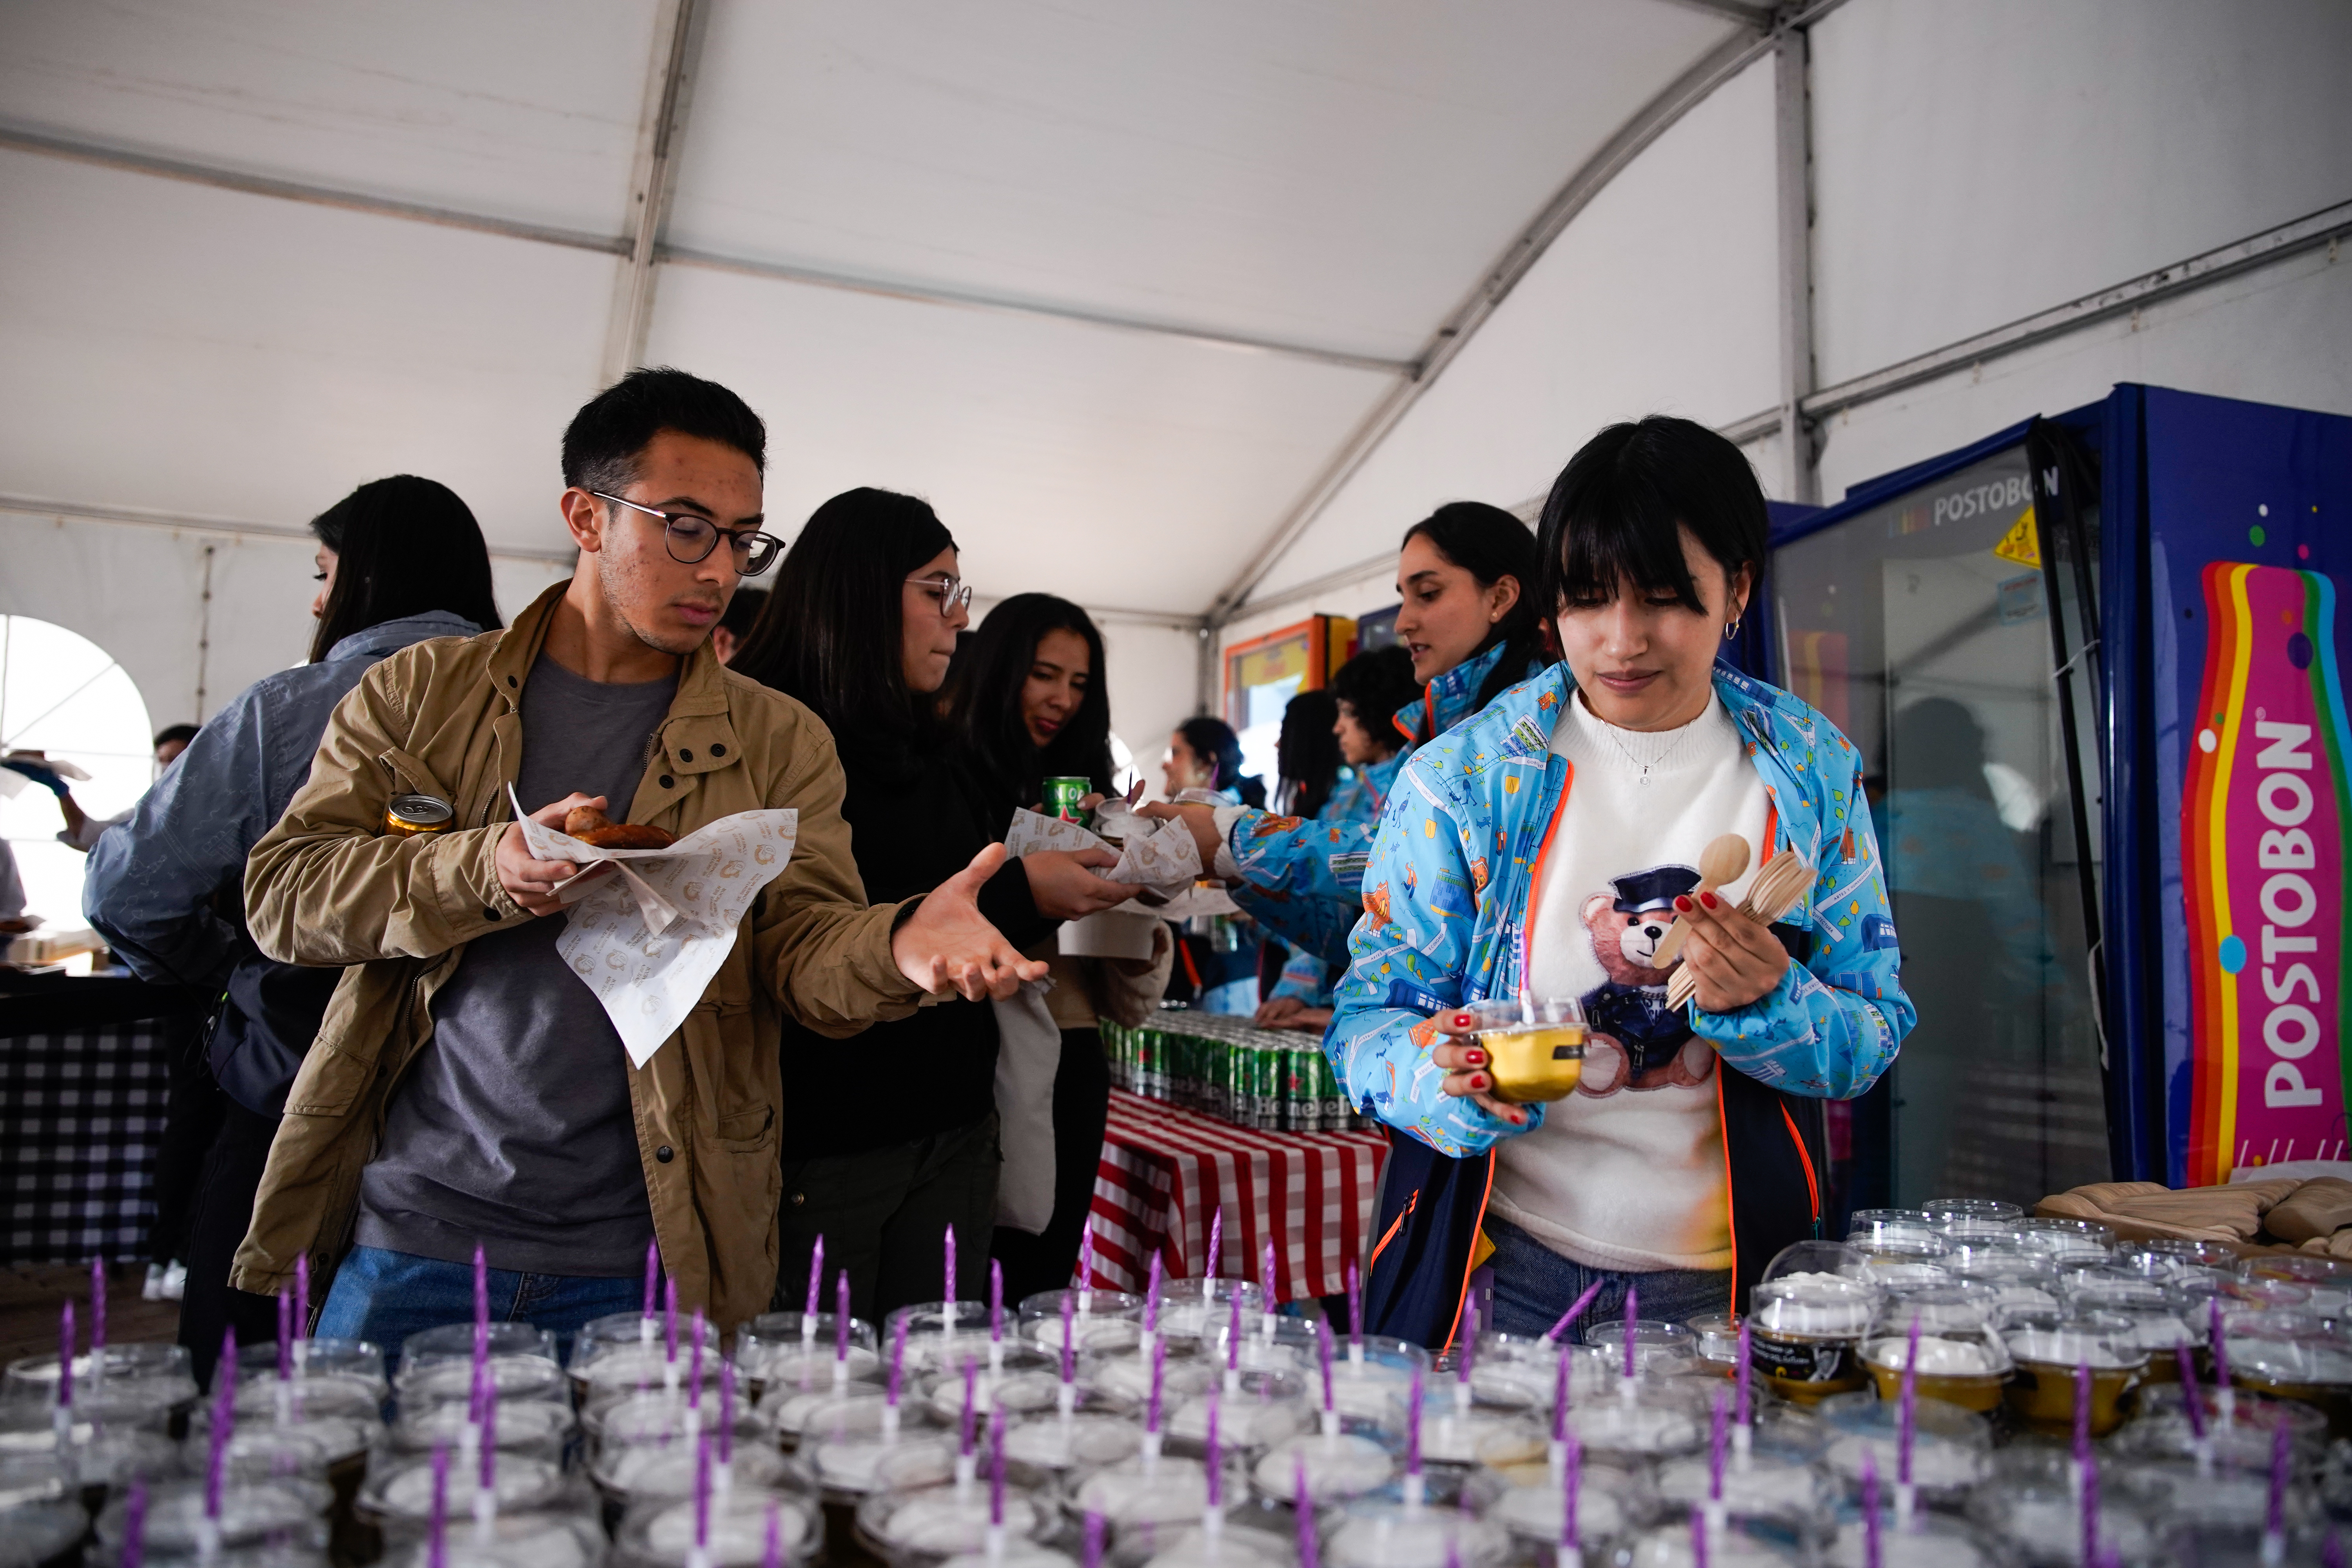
[{"x": 1921, "y": 628}]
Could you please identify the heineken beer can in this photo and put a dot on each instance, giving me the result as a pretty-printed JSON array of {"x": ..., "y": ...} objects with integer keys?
[{"x": 1062, "y": 797}]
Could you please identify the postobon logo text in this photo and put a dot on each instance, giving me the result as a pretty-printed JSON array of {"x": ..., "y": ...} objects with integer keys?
[{"x": 2263, "y": 854}]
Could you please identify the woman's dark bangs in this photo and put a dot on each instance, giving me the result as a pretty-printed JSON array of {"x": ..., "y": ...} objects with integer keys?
[{"x": 1609, "y": 544}]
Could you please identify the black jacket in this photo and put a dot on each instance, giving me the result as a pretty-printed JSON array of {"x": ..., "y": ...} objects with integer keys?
[{"x": 916, "y": 818}]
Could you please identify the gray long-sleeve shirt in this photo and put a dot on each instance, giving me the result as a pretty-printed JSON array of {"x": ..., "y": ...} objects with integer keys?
[{"x": 151, "y": 880}]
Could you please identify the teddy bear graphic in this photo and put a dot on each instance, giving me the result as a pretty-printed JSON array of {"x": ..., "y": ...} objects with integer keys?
[{"x": 1638, "y": 1042}]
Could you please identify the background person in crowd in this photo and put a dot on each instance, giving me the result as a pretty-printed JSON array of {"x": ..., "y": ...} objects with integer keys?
[
  {"x": 1690, "y": 1152},
  {"x": 82, "y": 829},
  {"x": 1219, "y": 966},
  {"x": 742, "y": 611},
  {"x": 1306, "y": 760},
  {"x": 1471, "y": 631},
  {"x": 861, "y": 628},
  {"x": 1033, "y": 704},
  {"x": 466, "y": 1087},
  {"x": 1365, "y": 694},
  {"x": 400, "y": 560}
]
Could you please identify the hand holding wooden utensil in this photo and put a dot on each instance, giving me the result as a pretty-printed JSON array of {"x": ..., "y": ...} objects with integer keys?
[
  {"x": 1742, "y": 960},
  {"x": 1721, "y": 863}
]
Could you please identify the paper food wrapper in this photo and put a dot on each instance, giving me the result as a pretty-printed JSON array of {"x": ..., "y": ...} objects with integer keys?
[
  {"x": 648, "y": 935},
  {"x": 1165, "y": 860},
  {"x": 1162, "y": 856}
]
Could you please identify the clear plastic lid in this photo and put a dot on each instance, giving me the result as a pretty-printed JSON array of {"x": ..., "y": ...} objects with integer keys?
[
  {"x": 1111, "y": 1323},
  {"x": 1079, "y": 1444},
  {"x": 1812, "y": 1305},
  {"x": 1740, "y": 1543},
  {"x": 40, "y": 1476},
  {"x": 1339, "y": 1466},
  {"x": 1925, "y": 1541},
  {"x": 1246, "y": 1424},
  {"x": 1660, "y": 1421},
  {"x": 2193, "y": 1253},
  {"x": 36, "y": 1376},
  {"x": 277, "y": 1453},
  {"x": 1956, "y": 1333},
  {"x": 662, "y": 1534},
  {"x": 1534, "y": 1506},
  {"x": 286, "y": 1513},
  {"x": 2066, "y": 1338},
  {"x": 35, "y": 1532},
  {"x": 656, "y": 1416},
  {"x": 2079, "y": 1238},
  {"x": 1199, "y": 1308},
  {"x": 1657, "y": 1345},
  {"x": 1385, "y": 1536},
  {"x": 540, "y": 1426},
  {"x": 357, "y": 1359},
  {"x": 515, "y": 1541},
  {"x": 438, "y": 1377},
  {"x": 2035, "y": 1510},
  {"x": 633, "y": 1368},
  {"x": 401, "y": 1489},
  {"x": 2329, "y": 1280},
  {"x": 455, "y": 1342},
  {"x": 943, "y": 1520},
  {"x": 1192, "y": 1546},
  {"x": 772, "y": 1336},
  {"x": 326, "y": 1391},
  {"x": 846, "y": 1440},
  {"x": 646, "y": 1471},
  {"x": 1169, "y": 1490},
  {"x": 2291, "y": 1349},
  {"x": 1950, "y": 1446},
  {"x": 116, "y": 1456},
  {"x": 1901, "y": 1229},
  {"x": 1943, "y": 1212}
]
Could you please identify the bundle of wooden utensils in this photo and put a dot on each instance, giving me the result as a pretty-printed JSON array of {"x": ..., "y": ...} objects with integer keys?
[{"x": 1779, "y": 888}]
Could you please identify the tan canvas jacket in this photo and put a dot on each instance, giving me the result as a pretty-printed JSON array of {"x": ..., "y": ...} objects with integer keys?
[{"x": 328, "y": 886}]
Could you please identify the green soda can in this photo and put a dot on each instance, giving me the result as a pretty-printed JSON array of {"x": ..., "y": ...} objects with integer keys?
[{"x": 1062, "y": 797}]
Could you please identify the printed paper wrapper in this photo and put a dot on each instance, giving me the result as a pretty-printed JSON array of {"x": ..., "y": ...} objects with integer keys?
[
  {"x": 649, "y": 936},
  {"x": 1166, "y": 859}
]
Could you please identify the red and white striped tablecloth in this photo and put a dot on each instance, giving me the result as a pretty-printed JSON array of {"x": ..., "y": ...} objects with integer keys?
[{"x": 1164, "y": 1173}]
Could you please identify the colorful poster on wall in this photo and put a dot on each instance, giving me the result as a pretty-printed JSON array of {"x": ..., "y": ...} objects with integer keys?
[{"x": 2264, "y": 816}]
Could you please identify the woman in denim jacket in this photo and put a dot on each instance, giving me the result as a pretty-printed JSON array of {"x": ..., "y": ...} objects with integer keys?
[{"x": 1548, "y": 843}]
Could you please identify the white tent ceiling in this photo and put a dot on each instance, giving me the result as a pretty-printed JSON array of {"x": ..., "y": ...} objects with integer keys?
[{"x": 1111, "y": 283}]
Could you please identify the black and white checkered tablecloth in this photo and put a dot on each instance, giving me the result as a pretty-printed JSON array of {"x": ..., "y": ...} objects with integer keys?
[{"x": 81, "y": 1113}]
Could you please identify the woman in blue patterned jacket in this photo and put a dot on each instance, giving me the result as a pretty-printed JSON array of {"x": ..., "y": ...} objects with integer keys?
[
  {"x": 1366, "y": 694},
  {"x": 1547, "y": 845},
  {"x": 1468, "y": 622}
]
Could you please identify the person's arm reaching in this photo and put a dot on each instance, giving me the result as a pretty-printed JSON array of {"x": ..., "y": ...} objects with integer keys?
[
  {"x": 840, "y": 965},
  {"x": 1300, "y": 878}
]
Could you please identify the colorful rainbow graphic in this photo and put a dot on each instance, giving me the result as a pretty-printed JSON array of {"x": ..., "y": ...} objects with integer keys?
[{"x": 2263, "y": 824}]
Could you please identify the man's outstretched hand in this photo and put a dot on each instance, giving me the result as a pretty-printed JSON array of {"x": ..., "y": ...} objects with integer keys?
[{"x": 947, "y": 942}]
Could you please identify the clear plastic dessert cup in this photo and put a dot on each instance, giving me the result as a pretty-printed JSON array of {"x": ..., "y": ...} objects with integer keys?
[
  {"x": 615, "y": 1355},
  {"x": 925, "y": 1524},
  {"x": 1534, "y": 1045},
  {"x": 537, "y": 1428},
  {"x": 1922, "y": 1540},
  {"x": 1806, "y": 1322},
  {"x": 2035, "y": 1509},
  {"x": 2293, "y": 1355},
  {"x": 1950, "y": 1447},
  {"x": 439, "y": 1363},
  {"x": 510, "y": 1541},
  {"x": 662, "y": 1534},
  {"x": 1739, "y": 1543},
  {"x": 1339, "y": 1466},
  {"x": 794, "y": 1349},
  {"x": 1945, "y": 1211},
  {"x": 1076, "y": 1445},
  {"x": 2068, "y": 1239},
  {"x": 2048, "y": 1346},
  {"x": 267, "y": 1513},
  {"x": 1104, "y": 1322},
  {"x": 336, "y": 1358},
  {"x": 1389, "y": 1535},
  {"x": 1202, "y": 1308},
  {"x": 1960, "y": 1359}
]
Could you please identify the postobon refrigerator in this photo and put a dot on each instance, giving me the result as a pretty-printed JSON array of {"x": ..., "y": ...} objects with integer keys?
[{"x": 2091, "y": 665}]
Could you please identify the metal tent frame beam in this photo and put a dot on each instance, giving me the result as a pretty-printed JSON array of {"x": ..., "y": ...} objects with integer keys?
[
  {"x": 1649, "y": 122},
  {"x": 129, "y": 160},
  {"x": 669, "y": 87}
]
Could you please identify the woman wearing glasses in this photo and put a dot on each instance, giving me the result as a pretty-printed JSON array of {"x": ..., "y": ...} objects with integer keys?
[{"x": 861, "y": 628}]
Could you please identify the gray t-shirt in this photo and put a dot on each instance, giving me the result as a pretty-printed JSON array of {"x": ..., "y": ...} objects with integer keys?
[{"x": 513, "y": 1126}]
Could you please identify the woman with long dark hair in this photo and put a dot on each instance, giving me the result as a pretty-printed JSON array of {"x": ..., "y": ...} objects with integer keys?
[
  {"x": 1205, "y": 754},
  {"x": 1033, "y": 703},
  {"x": 1465, "y": 573},
  {"x": 1306, "y": 760},
  {"x": 894, "y": 1133},
  {"x": 400, "y": 560}
]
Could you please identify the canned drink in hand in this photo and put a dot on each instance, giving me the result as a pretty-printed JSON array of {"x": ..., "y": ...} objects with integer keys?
[{"x": 1062, "y": 797}]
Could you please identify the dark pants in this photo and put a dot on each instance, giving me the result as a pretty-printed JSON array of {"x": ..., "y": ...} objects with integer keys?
[
  {"x": 1534, "y": 1285},
  {"x": 220, "y": 1210},
  {"x": 1081, "y": 1110},
  {"x": 192, "y": 1119},
  {"x": 884, "y": 1215}
]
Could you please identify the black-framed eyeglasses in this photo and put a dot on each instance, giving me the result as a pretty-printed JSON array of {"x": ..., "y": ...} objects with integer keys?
[
  {"x": 952, "y": 593},
  {"x": 690, "y": 539}
]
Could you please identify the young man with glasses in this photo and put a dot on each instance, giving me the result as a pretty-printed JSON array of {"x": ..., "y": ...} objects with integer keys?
[{"x": 466, "y": 1086}]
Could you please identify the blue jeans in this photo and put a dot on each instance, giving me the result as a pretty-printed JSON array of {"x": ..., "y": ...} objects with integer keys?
[
  {"x": 1534, "y": 1285},
  {"x": 382, "y": 1297}
]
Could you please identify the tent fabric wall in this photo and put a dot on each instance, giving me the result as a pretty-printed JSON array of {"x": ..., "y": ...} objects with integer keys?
[{"x": 1970, "y": 166}]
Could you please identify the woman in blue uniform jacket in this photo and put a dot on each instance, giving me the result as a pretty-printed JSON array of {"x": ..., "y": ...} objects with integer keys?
[{"x": 1591, "y": 816}]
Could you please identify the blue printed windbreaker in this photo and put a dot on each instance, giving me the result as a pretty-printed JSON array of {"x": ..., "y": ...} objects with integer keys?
[
  {"x": 1358, "y": 798},
  {"x": 1303, "y": 879},
  {"x": 1455, "y": 858}
]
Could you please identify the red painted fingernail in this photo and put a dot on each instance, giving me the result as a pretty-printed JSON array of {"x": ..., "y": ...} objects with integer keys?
[
  {"x": 1708, "y": 898},
  {"x": 1477, "y": 1058},
  {"x": 1683, "y": 905},
  {"x": 1462, "y": 1020},
  {"x": 1477, "y": 1081}
]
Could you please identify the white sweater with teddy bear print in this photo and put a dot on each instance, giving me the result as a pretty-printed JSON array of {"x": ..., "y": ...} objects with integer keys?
[{"x": 1627, "y": 1172}]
